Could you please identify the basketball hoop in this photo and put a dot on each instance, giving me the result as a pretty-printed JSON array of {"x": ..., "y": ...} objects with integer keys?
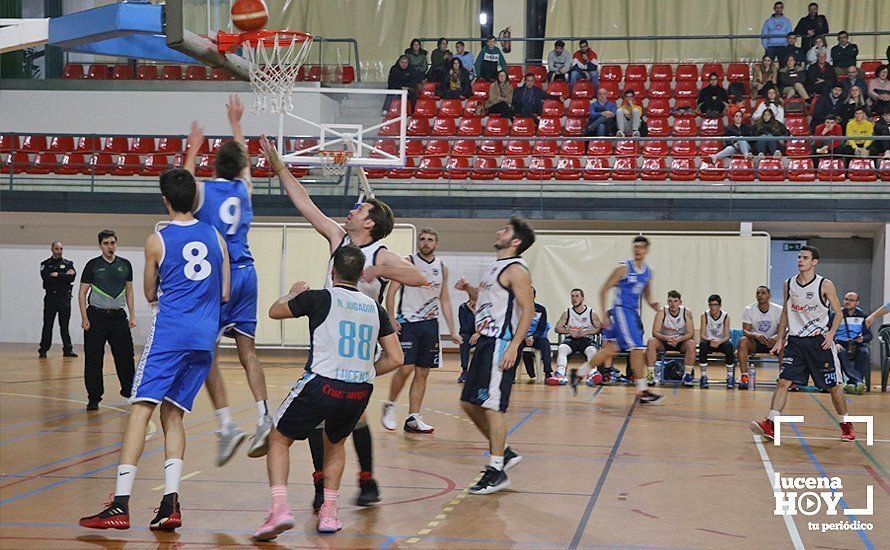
[
  {"x": 274, "y": 59},
  {"x": 334, "y": 163}
]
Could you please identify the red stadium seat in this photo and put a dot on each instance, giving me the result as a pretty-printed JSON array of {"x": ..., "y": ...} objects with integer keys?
[
  {"x": 515, "y": 74},
  {"x": 16, "y": 163},
  {"x": 205, "y": 166},
  {"x": 395, "y": 109},
  {"x": 741, "y": 169},
  {"x": 417, "y": 127},
  {"x": 658, "y": 108},
  {"x": 579, "y": 107},
  {"x": 122, "y": 72},
  {"x": 770, "y": 169},
  {"x": 568, "y": 168},
  {"x": 313, "y": 73},
  {"x": 661, "y": 72},
  {"x": 549, "y": 127},
  {"x": 403, "y": 172},
  {"x": 128, "y": 164},
  {"x": 626, "y": 148},
  {"x": 117, "y": 144},
  {"x": 625, "y": 169},
  {"x": 709, "y": 68},
  {"x": 450, "y": 108},
  {"x": 660, "y": 90},
  {"x": 155, "y": 165},
  {"x": 424, "y": 106},
  {"x": 686, "y": 89},
  {"x": 480, "y": 89},
  {"x": 553, "y": 107},
  {"x": 413, "y": 148},
  {"x": 574, "y": 126},
  {"x": 146, "y": 72},
  {"x": 541, "y": 168},
  {"x": 171, "y": 72},
  {"x": 653, "y": 169},
  {"x": 884, "y": 170},
  {"x": 797, "y": 125},
  {"x": 868, "y": 68},
  {"x": 143, "y": 145},
  {"x": 545, "y": 147},
  {"x": 635, "y": 73},
  {"x": 523, "y": 127},
  {"x": 484, "y": 168},
  {"x": 34, "y": 144},
  {"x": 658, "y": 127},
  {"x": 539, "y": 71},
  {"x": 437, "y": 148},
  {"x": 712, "y": 172},
  {"x": 9, "y": 142},
  {"x": 831, "y": 169},
  {"x": 801, "y": 170},
  {"x": 457, "y": 168},
  {"x": 583, "y": 89},
  {"x": 97, "y": 72},
  {"x": 559, "y": 88},
  {"x": 655, "y": 149},
  {"x": 685, "y": 104},
  {"x": 348, "y": 74},
  {"x": 474, "y": 107},
  {"x": 709, "y": 147},
  {"x": 599, "y": 148},
  {"x": 204, "y": 148},
  {"x": 573, "y": 148},
  {"x": 262, "y": 169},
  {"x": 430, "y": 168},
  {"x": 443, "y": 127},
  {"x": 610, "y": 73},
  {"x": 464, "y": 148},
  {"x": 491, "y": 148},
  {"x": 88, "y": 144},
  {"x": 612, "y": 88},
  {"x": 518, "y": 148},
  {"x": 391, "y": 127},
  {"x": 712, "y": 126},
  {"x": 684, "y": 126},
  {"x": 683, "y": 148},
  {"x": 72, "y": 72},
  {"x": 739, "y": 72},
  {"x": 496, "y": 127},
  {"x": 686, "y": 72},
  {"x": 597, "y": 169},
  {"x": 797, "y": 148},
  {"x": 73, "y": 163},
  {"x": 44, "y": 163},
  {"x": 682, "y": 169},
  {"x": 861, "y": 170},
  {"x": 428, "y": 90}
]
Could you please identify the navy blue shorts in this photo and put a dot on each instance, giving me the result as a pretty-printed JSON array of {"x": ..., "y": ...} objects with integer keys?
[
  {"x": 578, "y": 345},
  {"x": 805, "y": 358},
  {"x": 239, "y": 313},
  {"x": 316, "y": 399},
  {"x": 174, "y": 376},
  {"x": 487, "y": 385},
  {"x": 420, "y": 343}
]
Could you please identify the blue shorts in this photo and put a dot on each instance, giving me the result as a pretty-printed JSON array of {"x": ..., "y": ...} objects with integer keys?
[
  {"x": 487, "y": 385},
  {"x": 174, "y": 376},
  {"x": 420, "y": 343},
  {"x": 239, "y": 313},
  {"x": 626, "y": 329}
]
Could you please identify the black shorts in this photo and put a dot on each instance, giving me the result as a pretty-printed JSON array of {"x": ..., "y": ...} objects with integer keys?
[
  {"x": 805, "y": 358},
  {"x": 487, "y": 385},
  {"x": 420, "y": 343},
  {"x": 316, "y": 399},
  {"x": 677, "y": 348},
  {"x": 578, "y": 345}
]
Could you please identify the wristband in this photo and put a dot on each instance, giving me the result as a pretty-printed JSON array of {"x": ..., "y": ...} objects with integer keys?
[{"x": 275, "y": 161}]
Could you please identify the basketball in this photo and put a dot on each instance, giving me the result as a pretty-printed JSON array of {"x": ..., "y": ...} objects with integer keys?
[{"x": 250, "y": 15}]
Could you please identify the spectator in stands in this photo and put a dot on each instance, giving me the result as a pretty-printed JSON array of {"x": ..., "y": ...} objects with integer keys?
[
  {"x": 466, "y": 58},
  {"x": 844, "y": 54},
  {"x": 860, "y": 128},
  {"x": 771, "y": 103},
  {"x": 500, "y": 96},
  {"x": 851, "y": 341},
  {"x": 791, "y": 79},
  {"x": 439, "y": 73},
  {"x": 879, "y": 90},
  {"x": 739, "y": 104},
  {"x": 827, "y": 106},
  {"x": 736, "y": 129},
  {"x": 882, "y": 128},
  {"x": 811, "y": 26},
  {"x": 770, "y": 127},
  {"x": 828, "y": 129},
  {"x": 712, "y": 99},
  {"x": 455, "y": 83},
  {"x": 854, "y": 101},
  {"x": 437, "y": 56},
  {"x": 417, "y": 57},
  {"x": 489, "y": 59},
  {"x": 765, "y": 74},
  {"x": 792, "y": 49},
  {"x": 602, "y": 121},
  {"x": 629, "y": 115},
  {"x": 528, "y": 99},
  {"x": 854, "y": 78},
  {"x": 773, "y": 34},
  {"x": 820, "y": 76},
  {"x": 819, "y": 46},
  {"x": 559, "y": 62},
  {"x": 402, "y": 76},
  {"x": 585, "y": 65}
]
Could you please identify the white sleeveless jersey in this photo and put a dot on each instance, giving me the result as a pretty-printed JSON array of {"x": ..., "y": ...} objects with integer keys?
[
  {"x": 714, "y": 328},
  {"x": 764, "y": 323},
  {"x": 674, "y": 326},
  {"x": 373, "y": 289},
  {"x": 344, "y": 343},
  {"x": 422, "y": 303},
  {"x": 807, "y": 312},
  {"x": 579, "y": 321},
  {"x": 496, "y": 312}
]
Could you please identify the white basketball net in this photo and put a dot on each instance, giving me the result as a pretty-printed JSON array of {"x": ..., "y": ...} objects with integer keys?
[
  {"x": 274, "y": 64},
  {"x": 334, "y": 163}
]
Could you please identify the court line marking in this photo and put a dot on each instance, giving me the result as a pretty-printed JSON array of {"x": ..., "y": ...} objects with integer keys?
[
  {"x": 771, "y": 476},
  {"x": 858, "y": 444},
  {"x": 183, "y": 478},
  {"x": 585, "y": 517}
]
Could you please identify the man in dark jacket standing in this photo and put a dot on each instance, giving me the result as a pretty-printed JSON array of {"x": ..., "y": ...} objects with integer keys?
[
  {"x": 852, "y": 340},
  {"x": 810, "y": 26},
  {"x": 58, "y": 275},
  {"x": 402, "y": 77}
]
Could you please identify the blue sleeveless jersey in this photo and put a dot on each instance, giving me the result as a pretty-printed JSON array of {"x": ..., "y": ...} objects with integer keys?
[
  {"x": 190, "y": 289},
  {"x": 631, "y": 286},
  {"x": 226, "y": 206}
]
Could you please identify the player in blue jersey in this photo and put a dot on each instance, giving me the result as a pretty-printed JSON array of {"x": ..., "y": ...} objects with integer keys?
[
  {"x": 187, "y": 275},
  {"x": 622, "y": 325},
  {"x": 225, "y": 203}
]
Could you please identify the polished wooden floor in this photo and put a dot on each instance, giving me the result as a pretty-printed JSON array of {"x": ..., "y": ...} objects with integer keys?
[{"x": 600, "y": 470}]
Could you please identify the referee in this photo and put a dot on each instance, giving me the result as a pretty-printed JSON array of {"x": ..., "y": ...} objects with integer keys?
[
  {"x": 58, "y": 274},
  {"x": 106, "y": 286}
]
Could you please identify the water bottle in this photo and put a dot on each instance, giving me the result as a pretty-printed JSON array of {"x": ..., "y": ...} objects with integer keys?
[{"x": 659, "y": 372}]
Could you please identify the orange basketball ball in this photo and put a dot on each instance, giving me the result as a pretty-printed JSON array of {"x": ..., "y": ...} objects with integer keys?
[{"x": 250, "y": 15}]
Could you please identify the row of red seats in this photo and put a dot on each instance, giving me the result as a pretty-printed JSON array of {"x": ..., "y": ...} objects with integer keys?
[
  {"x": 627, "y": 169},
  {"x": 75, "y": 71},
  {"x": 116, "y": 144}
]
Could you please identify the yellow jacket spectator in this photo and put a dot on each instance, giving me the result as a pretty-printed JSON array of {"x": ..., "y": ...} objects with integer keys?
[{"x": 859, "y": 127}]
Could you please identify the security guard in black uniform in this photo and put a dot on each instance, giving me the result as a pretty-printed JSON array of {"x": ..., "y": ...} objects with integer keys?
[{"x": 58, "y": 274}]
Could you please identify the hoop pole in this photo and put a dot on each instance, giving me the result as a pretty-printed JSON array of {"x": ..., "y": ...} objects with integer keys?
[{"x": 281, "y": 132}]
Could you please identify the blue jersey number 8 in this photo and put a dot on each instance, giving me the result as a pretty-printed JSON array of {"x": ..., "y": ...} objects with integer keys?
[{"x": 347, "y": 345}]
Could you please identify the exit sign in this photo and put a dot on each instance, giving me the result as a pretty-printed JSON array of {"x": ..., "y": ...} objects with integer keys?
[{"x": 791, "y": 247}]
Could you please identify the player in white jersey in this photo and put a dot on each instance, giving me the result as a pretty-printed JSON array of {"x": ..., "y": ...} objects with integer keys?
[
  {"x": 366, "y": 225},
  {"x": 714, "y": 334},
  {"x": 345, "y": 326},
  {"x": 417, "y": 322},
  {"x": 809, "y": 351},
  {"x": 673, "y": 330},
  {"x": 505, "y": 306},
  {"x": 760, "y": 325},
  {"x": 578, "y": 323}
]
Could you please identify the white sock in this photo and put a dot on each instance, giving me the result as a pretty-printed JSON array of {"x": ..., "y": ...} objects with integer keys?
[
  {"x": 496, "y": 462},
  {"x": 172, "y": 475},
  {"x": 262, "y": 411},
  {"x": 224, "y": 416},
  {"x": 730, "y": 371},
  {"x": 689, "y": 369},
  {"x": 126, "y": 475},
  {"x": 584, "y": 370},
  {"x": 773, "y": 414},
  {"x": 641, "y": 385},
  {"x": 704, "y": 369}
]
